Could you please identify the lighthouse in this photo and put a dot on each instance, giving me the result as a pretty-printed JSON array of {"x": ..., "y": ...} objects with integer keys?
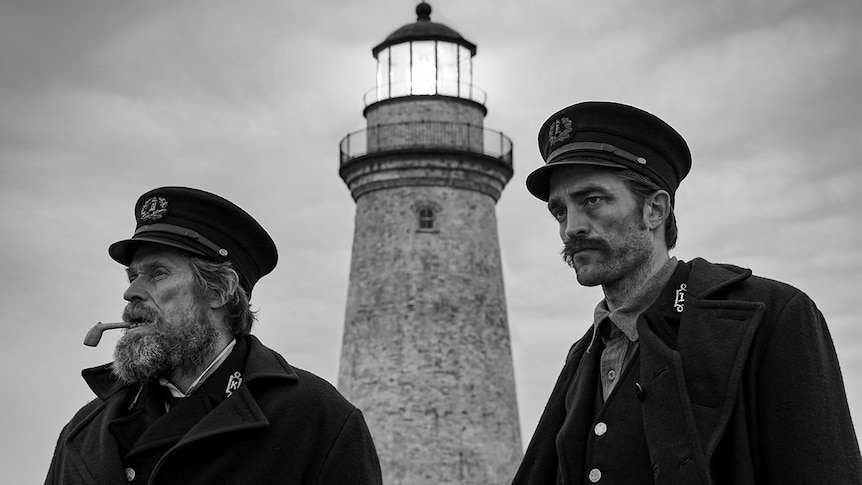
[{"x": 426, "y": 353}]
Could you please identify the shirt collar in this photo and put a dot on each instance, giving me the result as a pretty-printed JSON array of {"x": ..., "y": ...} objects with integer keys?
[
  {"x": 220, "y": 358},
  {"x": 626, "y": 316}
]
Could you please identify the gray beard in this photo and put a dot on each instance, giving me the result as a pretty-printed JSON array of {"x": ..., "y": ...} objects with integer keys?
[{"x": 177, "y": 345}]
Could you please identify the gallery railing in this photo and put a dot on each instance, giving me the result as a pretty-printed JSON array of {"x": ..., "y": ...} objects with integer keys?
[{"x": 430, "y": 135}]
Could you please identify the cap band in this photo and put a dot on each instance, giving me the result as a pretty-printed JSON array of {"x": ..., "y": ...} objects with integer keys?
[
  {"x": 593, "y": 146},
  {"x": 184, "y": 232}
]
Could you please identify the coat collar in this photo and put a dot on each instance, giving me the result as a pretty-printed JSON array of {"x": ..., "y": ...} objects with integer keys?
[
  {"x": 691, "y": 385},
  {"x": 90, "y": 445},
  {"x": 707, "y": 279}
]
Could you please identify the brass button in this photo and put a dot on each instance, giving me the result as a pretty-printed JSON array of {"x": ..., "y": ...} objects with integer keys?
[{"x": 600, "y": 429}]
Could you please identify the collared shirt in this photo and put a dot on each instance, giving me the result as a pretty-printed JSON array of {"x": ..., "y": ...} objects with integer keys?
[
  {"x": 220, "y": 358},
  {"x": 621, "y": 339}
]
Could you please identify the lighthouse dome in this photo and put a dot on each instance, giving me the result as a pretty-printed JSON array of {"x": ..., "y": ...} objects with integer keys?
[{"x": 424, "y": 29}]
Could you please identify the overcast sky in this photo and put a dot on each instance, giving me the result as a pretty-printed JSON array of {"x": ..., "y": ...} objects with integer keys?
[{"x": 102, "y": 101}]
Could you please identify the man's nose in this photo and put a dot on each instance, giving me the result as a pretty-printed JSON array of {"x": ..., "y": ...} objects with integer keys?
[
  {"x": 576, "y": 225},
  {"x": 135, "y": 290}
]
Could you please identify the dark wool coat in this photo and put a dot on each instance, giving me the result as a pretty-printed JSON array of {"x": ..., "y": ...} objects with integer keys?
[
  {"x": 747, "y": 390},
  {"x": 282, "y": 425}
]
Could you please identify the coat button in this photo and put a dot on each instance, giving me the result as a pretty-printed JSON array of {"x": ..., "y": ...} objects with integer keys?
[
  {"x": 600, "y": 429},
  {"x": 130, "y": 474},
  {"x": 639, "y": 391},
  {"x": 595, "y": 475}
]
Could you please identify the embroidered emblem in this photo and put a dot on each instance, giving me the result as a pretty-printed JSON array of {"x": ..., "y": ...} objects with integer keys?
[
  {"x": 560, "y": 130},
  {"x": 679, "y": 303},
  {"x": 233, "y": 383},
  {"x": 153, "y": 209}
]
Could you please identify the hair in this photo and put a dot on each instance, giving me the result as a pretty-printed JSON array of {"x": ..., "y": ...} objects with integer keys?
[
  {"x": 642, "y": 187},
  {"x": 221, "y": 281}
]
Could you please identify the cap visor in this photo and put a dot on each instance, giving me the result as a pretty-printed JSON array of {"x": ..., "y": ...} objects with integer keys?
[
  {"x": 123, "y": 251},
  {"x": 539, "y": 181}
]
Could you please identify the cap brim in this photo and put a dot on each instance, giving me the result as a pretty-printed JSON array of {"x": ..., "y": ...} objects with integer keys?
[
  {"x": 539, "y": 180},
  {"x": 123, "y": 251}
]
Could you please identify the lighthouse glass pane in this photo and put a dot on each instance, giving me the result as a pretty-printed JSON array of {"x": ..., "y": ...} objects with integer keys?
[
  {"x": 382, "y": 74},
  {"x": 423, "y": 72},
  {"x": 465, "y": 72},
  {"x": 399, "y": 69},
  {"x": 447, "y": 68}
]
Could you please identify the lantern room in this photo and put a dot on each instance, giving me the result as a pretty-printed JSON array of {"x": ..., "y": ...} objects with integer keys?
[{"x": 424, "y": 58}]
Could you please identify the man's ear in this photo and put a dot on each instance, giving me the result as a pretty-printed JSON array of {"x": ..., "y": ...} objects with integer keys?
[{"x": 656, "y": 209}]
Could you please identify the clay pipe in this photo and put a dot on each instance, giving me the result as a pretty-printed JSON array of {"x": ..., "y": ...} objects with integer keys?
[{"x": 95, "y": 334}]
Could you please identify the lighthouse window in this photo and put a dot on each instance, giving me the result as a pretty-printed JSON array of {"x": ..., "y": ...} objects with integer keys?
[{"x": 426, "y": 219}]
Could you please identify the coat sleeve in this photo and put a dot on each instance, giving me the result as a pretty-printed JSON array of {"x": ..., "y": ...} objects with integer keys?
[
  {"x": 805, "y": 430},
  {"x": 352, "y": 458}
]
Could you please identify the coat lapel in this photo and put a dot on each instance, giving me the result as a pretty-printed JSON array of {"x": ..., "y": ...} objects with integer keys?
[
  {"x": 209, "y": 412},
  {"x": 92, "y": 450},
  {"x": 238, "y": 412},
  {"x": 241, "y": 411},
  {"x": 690, "y": 385}
]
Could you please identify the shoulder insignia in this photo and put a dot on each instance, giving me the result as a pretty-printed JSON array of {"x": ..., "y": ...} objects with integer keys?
[
  {"x": 233, "y": 383},
  {"x": 679, "y": 302}
]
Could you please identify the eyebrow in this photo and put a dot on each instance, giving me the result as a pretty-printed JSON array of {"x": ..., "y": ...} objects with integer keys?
[
  {"x": 143, "y": 267},
  {"x": 553, "y": 201}
]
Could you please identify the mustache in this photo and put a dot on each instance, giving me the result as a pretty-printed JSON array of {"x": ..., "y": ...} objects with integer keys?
[
  {"x": 580, "y": 243},
  {"x": 135, "y": 312}
]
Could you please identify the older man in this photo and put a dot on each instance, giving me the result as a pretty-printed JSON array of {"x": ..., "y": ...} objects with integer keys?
[
  {"x": 692, "y": 372},
  {"x": 191, "y": 396}
]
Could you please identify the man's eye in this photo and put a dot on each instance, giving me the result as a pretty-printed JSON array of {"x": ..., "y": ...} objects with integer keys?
[
  {"x": 592, "y": 200},
  {"x": 558, "y": 213},
  {"x": 158, "y": 273}
]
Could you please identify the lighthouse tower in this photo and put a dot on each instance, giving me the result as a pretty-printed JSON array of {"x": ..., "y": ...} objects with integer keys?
[{"x": 426, "y": 352}]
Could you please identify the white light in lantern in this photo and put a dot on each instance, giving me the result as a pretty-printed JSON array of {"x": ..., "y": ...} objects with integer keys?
[{"x": 423, "y": 77}]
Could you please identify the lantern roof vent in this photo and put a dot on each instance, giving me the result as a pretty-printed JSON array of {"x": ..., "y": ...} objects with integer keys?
[{"x": 424, "y": 29}]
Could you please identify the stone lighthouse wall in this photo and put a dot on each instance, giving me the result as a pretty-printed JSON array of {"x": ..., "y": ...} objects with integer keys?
[
  {"x": 435, "y": 121},
  {"x": 426, "y": 352}
]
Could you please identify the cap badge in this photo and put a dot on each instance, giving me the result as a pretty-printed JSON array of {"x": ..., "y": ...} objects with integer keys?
[
  {"x": 560, "y": 130},
  {"x": 153, "y": 209}
]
